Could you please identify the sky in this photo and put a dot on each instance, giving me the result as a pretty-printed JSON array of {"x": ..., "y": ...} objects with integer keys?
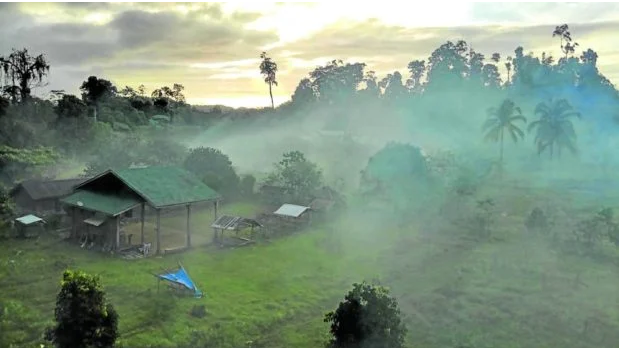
[{"x": 213, "y": 48}]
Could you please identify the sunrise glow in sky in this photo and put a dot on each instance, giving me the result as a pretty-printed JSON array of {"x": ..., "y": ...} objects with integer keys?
[{"x": 213, "y": 48}]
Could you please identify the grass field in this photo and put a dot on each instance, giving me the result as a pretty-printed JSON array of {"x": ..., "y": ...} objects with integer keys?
[{"x": 510, "y": 291}]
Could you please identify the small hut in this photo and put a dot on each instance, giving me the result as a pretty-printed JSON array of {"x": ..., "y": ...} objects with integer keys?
[
  {"x": 29, "y": 226},
  {"x": 42, "y": 197},
  {"x": 292, "y": 217},
  {"x": 237, "y": 224}
]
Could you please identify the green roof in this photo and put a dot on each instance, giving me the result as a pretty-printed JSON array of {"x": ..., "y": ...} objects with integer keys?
[
  {"x": 104, "y": 203},
  {"x": 164, "y": 186}
]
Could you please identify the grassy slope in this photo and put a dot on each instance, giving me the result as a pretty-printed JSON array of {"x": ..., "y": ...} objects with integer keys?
[
  {"x": 512, "y": 291},
  {"x": 250, "y": 291}
]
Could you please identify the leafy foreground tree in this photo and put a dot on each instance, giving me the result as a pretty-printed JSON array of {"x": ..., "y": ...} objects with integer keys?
[
  {"x": 368, "y": 318},
  {"x": 83, "y": 316},
  {"x": 554, "y": 129},
  {"x": 501, "y": 120}
]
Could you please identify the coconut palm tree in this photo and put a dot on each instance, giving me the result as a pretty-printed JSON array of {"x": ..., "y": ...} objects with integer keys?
[
  {"x": 501, "y": 120},
  {"x": 554, "y": 127}
]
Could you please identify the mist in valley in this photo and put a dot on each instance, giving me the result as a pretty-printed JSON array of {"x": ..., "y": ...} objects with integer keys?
[{"x": 478, "y": 188}]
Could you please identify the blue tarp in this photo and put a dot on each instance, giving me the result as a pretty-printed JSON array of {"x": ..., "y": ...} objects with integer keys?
[{"x": 181, "y": 277}]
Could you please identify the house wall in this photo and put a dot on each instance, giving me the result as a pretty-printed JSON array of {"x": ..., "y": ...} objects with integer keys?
[{"x": 106, "y": 232}]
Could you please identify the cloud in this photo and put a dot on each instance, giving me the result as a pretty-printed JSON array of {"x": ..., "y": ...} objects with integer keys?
[
  {"x": 544, "y": 12},
  {"x": 203, "y": 33},
  {"x": 388, "y": 47},
  {"x": 213, "y": 48}
]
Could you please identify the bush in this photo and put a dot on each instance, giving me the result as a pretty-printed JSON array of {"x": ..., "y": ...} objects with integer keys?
[
  {"x": 368, "y": 317},
  {"x": 247, "y": 184},
  {"x": 537, "y": 221},
  {"x": 83, "y": 317},
  {"x": 399, "y": 175},
  {"x": 601, "y": 225},
  {"x": 215, "y": 168},
  {"x": 482, "y": 221}
]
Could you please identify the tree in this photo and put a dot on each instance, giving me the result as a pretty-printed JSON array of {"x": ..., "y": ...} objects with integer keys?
[
  {"x": 83, "y": 316},
  {"x": 554, "y": 127},
  {"x": 399, "y": 175},
  {"x": 167, "y": 99},
  {"x": 496, "y": 57},
  {"x": 372, "y": 89},
  {"x": 563, "y": 32},
  {"x": 501, "y": 120},
  {"x": 22, "y": 72},
  {"x": 368, "y": 317},
  {"x": 337, "y": 81},
  {"x": 14, "y": 160},
  {"x": 268, "y": 69},
  {"x": 297, "y": 175},
  {"x": 4, "y": 105},
  {"x": 393, "y": 88},
  {"x": 304, "y": 93},
  {"x": 7, "y": 208},
  {"x": 174, "y": 94},
  {"x": 70, "y": 106},
  {"x": 94, "y": 90},
  {"x": 416, "y": 68},
  {"x": 448, "y": 65},
  {"x": 214, "y": 168},
  {"x": 508, "y": 67}
]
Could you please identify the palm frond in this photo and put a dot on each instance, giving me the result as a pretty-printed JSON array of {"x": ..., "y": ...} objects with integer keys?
[
  {"x": 533, "y": 125},
  {"x": 491, "y": 122},
  {"x": 518, "y": 118},
  {"x": 516, "y": 130},
  {"x": 493, "y": 134},
  {"x": 541, "y": 146}
]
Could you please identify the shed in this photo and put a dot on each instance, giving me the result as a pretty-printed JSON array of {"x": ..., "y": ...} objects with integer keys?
[
  {"x": 115, "y": 192},
  {"x": 29, "y": 225},
  {"x": 291, "y": 210},
  {"x": 236, "y": 224},
  {"x": 42, "y": 196}
]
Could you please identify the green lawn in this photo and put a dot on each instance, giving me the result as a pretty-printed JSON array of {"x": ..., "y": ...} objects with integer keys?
[
  {"x": 511, "y": 291},
  {"x": 251, "y": 292}
]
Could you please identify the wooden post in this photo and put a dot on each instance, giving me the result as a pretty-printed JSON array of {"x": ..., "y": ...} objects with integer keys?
[
  {"x": 215, "y": 205},
  {"x": 158, "y": 231},
  {"x": 142, "y": 221},
  {"x": 74, "y": 222},
  {"x": 188, "y": 225},
  {"x": 117, "y": 232}
]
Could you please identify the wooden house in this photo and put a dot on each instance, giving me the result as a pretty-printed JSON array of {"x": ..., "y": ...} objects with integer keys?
[{"x": 42, "y": 197}]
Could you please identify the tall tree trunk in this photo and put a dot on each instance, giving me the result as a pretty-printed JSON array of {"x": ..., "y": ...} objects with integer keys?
[
  {"x": 24, "y": 90},
  {"x": 552, "y": 145},
  {"x": 95, "y": 112},
  {"x": 501, "y": 153},
  {"x": 271, "y": 94}
]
